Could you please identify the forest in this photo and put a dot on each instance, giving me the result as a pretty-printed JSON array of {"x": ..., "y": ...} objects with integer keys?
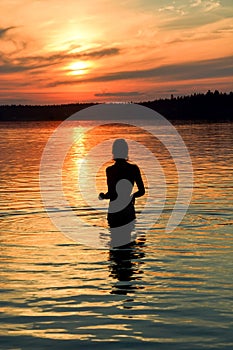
[{"x": 199, "y": 107}]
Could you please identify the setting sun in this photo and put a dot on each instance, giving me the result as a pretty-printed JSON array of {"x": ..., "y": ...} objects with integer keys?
[{"x": 78, "y": 68}]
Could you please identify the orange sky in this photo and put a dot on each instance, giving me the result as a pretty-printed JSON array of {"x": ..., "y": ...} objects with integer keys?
[{"x": 133, "y": 50}]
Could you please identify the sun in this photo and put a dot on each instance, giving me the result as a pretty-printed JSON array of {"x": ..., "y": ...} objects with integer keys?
[{"x": 78, "y": 68}]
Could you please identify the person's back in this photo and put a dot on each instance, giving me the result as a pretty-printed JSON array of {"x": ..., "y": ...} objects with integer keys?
[
  {"x": 119, "y": 171},
  {"x": 121, "y": 178}
]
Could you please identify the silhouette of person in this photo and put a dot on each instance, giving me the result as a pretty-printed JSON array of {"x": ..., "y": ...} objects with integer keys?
[{"x": 121, "y": 177}]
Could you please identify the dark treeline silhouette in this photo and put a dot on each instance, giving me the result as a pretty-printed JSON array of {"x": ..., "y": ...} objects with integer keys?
[
  {"x": 40, "y": 112},
  {"x": 211, "y": 106}
]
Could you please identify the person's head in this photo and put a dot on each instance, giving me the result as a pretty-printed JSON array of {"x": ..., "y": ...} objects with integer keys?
[{"x": 120, "y": 149}]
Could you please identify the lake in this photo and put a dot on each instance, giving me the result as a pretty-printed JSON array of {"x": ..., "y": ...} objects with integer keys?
[{"x": 168, "y": 290}]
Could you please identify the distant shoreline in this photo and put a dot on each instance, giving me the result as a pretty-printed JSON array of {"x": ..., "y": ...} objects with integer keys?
[{"x": 210, "y": 107}]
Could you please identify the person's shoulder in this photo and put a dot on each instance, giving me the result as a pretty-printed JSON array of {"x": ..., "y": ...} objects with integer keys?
[
  {"x": 109, "y": 168},
  {"x": 133, "y": 166}
]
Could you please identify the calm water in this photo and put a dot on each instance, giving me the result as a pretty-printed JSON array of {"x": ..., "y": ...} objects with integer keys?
[{"x": 168, "y": 291}]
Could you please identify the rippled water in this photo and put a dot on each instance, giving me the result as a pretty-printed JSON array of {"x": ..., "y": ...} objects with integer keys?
[{"x": 165, "y": 291}]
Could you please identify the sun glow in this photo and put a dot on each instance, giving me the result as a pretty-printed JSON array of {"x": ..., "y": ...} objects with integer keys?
[{"x": 78, "y": 68}]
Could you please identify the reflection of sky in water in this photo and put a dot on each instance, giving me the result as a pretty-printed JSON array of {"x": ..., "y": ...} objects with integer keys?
[{"x": 169, "y": 288}]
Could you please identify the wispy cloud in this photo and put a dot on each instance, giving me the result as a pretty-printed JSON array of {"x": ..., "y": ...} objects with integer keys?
[
  {"x": 195, "y": 3},
  {"x": 119, "y": 94},
  {"x": 217, "y": 67},
  {"x": 206, "y": 5},
  {"x": 196, "y": 13},
  {"x": 180, "y": 10},
  {"x": 64, "y": 56},
  {"x": 28, "y": 63},
  {"x": 3, "y": 31}
]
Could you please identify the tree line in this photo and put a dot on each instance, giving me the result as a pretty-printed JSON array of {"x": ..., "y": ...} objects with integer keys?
[{"x": 211, "y": 106}]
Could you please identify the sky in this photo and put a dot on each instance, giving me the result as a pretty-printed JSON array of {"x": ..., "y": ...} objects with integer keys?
[{"x": 56, "y": 51}]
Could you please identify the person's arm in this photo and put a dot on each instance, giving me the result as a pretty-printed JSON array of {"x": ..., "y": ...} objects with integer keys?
[
  {"x": 139, "y": 183},
  {"x": 107, "y": 195}
]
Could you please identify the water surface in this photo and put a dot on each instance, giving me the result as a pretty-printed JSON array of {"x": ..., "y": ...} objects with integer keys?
[{"x": 166, "y": 291}]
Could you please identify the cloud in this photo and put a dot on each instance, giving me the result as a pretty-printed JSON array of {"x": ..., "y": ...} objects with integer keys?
[
  {"x": 194, "y": 36},
  {"x": 173, "y": 9},
  {"x": 101, "y": 53},
  {"x": 211, "y": 5},
  {"x": 11, "y": 68},
  {"x": 29, "y": 63},
  {"x": 217, "y": 67},
  {"x": 3, "y": 31},
  {"x": 206, "y": 5},
  {"x": 197, "y": 13},
  {"x": 223, "y": 30},
  {"x": 196, "y": 3},
  {"x": 189, "y": 21},
  {"x": 63, "y": 56},
  {"x": 119, "y": 94}
]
